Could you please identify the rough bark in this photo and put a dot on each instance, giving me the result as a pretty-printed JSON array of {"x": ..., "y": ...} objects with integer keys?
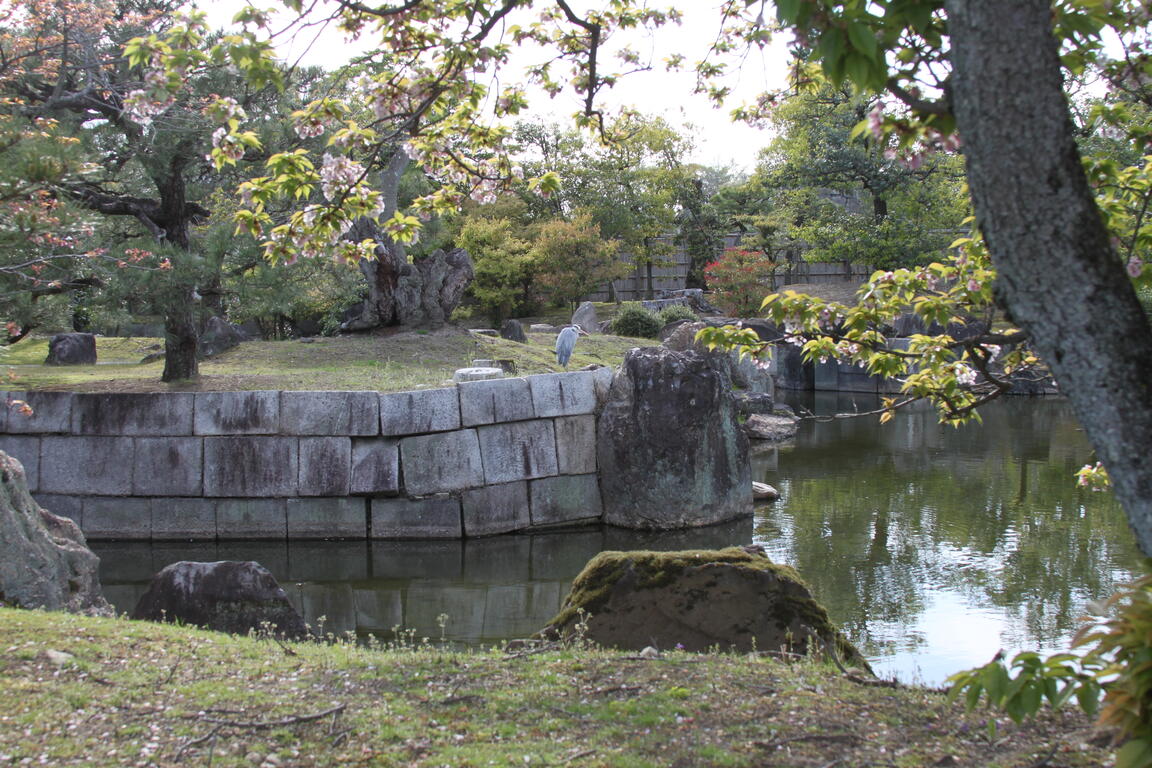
[{"x": 1058, "y": 275}]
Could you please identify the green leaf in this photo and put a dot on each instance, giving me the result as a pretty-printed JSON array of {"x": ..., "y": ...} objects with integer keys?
[
  {"x": 787, "y": 10},
  {"x": 1135, "y": 754},
  {"x": 863, "y": 39}
]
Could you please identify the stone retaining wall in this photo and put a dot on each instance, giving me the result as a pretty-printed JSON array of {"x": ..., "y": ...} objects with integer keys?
[{"x": 481, "y": 458}]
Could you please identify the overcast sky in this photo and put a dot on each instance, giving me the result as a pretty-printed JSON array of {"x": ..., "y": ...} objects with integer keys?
[{"x": 718, "y": 141}]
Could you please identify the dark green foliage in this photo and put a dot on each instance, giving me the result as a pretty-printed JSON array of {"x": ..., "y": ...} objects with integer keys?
[
  {"x": 676, "y": 312},
  {"x": 633, "y": 320}
]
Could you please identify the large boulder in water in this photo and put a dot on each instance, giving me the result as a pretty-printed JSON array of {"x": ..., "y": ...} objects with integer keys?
[
  {"x": 227, "y": 596},
  {"x": 44, "y": 560},
  {"x": 733, "y": 599},
  {"x": 71, "y": 349},
  {"x": 670, "y": 450}
]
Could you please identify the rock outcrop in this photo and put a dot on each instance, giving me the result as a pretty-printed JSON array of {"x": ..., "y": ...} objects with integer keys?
[
  {"x": 71, "y": 349},
  {"x": 763, "y": 426},
  {"x": 513, "y": 331},
  {"x": 218, "y": 337},
  {"x": 44, "y": 560},
  {"x": 226, "y": 596},
  {"x": 732, "y": 599},
  {"x": 585, "y": 317},
  {"x": 669, "y": 447}
]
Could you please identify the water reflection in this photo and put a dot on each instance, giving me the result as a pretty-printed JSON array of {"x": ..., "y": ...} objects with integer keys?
[
  {"x": 934, "y": 547},
  {"x": 490, "y": 589}
]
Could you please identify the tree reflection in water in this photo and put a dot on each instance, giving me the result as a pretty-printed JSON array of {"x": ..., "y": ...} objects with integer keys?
[{"x": 917, "y": 535}]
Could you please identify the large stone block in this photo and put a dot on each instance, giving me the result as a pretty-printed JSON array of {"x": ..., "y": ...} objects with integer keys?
[
  {"x": 495, "y": 509},
  {"x": 827, "y": 375},
  {"x": 517, "y": 451},
  {"x": 237, "y": 413},
  {"x": 602, "y": 382},
  {"x": 124, "y": 519},
  {"x": 71, "y": 507},
  {"x": 183, "y": 518},
  {"x": 375, "y": 467},
  {"x": 130, "y": 413},
  {"x": 51, "y": 413},
  {"x": 250, "y": 466},
  {"x": 97, "y": 466},
  {"x": 435, "y": 517},
  {"x": 565, "y": 500},
  {"x": 343, "y": 518},
  {"x": 445, "y": 461},
  {"x": 26, "y": 450},
  {"x": 563, "y": 394},
  {"x": 168, "y": 466},
  {"x": 325, "y": 466},
  {"x": 251, "y": 519},
  {"x": 330, "y": 413},
  {"x": 414, "y": 413},
  {"x": 576, "y": 444},
  {"x": 498, "y": 400}
]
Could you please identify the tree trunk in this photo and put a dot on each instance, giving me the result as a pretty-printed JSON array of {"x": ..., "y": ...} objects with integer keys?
[
  {"x": 181, "y": 343},
  {"x": 1058, "y": 276},
  {"x": 879, "y": 208}
]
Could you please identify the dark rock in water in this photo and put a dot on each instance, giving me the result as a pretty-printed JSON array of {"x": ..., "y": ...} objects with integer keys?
[
  {"x": 71, "y": 349},
  {"x": 670, "y": 451},
  {"x": 585, "y": 317},
  {"x": 733, "y": 599},
  {"x": 513, "y": 331},
  {"x": 44, "y": 560},
  {"x": 762, "y": 426},
  {"x": 217, "y": 337},
  {"x": 226, "y": 596}
]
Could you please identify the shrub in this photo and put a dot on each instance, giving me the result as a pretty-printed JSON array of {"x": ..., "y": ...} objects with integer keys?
[
  {"x": 740, "y": 280},
  {"x": 674, "y": 312},
  {"x": 633, "y": 320}
]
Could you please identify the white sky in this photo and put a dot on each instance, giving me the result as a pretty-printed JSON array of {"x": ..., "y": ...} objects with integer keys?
[{"x": 718, "y": 141}]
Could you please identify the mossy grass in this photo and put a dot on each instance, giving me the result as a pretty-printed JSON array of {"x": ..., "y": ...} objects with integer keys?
[
  {"x": 385, "y": 362},
  {"x": 135, "y": 693}
]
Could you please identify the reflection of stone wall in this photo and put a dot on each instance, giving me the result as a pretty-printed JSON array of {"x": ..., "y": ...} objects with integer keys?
[
  {"x": 491, "y": 589},
  {"x": 481, "y": 458}
]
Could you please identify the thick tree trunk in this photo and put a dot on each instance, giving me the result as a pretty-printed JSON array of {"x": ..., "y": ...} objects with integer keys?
[
  {"x": 1058, "y": 276},
  {"x": 181, "y": 343}
]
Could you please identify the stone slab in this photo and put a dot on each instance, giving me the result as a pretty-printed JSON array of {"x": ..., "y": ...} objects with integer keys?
[
  {"x": 602, "y": 382},
  {"x": 133, "y": 413},
  {"x": 495, "y": 509},
  {"x": 96, "y": 466},
  {"x": 418, "y": 412},
  {"x": 237, "y": 413},
  {"x": 330, "y": 413},
  {"x": 517, "y": 451},
  {"x": 565, "y": 500},
  {"x": 176, "y": 519},
  {"x": 435, "y": 517},
  {"x": 495, "y": 401},
  {"x": 827, "y": 375},
  {"x": 333, "y": 518},
  {"x": 576, "y": 444},
  {"x": 325, "y": 466},
  {"x": 26, "y": 450},
  {"x": 51, "y": 413},
  {"x": 168, "y": 466},
  {"x": 71, "y": 507},
  {"x": 563, "y": 394},
  {"x": 441, "y": 462},
  {"x": 250, "y": 466},
  {"x": 251, "y": 519},
  {"x": 120, "y": 518},
  {"x": 375, "y": 467}
]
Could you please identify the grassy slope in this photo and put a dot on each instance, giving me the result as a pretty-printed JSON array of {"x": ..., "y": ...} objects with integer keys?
[
  {"x": 388, "y": 363},
  {"x": 134, "y": 693}
]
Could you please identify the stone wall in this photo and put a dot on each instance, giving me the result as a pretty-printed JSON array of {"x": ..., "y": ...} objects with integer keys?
[{"x": 481, "y": 458}]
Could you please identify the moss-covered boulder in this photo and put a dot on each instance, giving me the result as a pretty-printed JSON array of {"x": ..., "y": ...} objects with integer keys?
[{"x": 733, "y": 599}]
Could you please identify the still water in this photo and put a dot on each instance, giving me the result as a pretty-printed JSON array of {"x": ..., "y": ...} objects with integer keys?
[{"x": 932, "y": 547}]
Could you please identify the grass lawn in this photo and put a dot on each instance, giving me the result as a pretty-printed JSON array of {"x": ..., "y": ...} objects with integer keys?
[
  {"x": 105, "y": 692},
  {"x": 387, "y": 362}
]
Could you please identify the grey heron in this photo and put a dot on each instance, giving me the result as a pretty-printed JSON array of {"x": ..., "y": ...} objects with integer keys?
[{"x": 566, "y": 341}]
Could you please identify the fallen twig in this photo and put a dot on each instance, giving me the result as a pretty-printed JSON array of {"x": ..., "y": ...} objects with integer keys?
[
  {"x": 263, "y": 724},
  {"x": 196, "y": 742},
  {"x": 777, "y": 743}
]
